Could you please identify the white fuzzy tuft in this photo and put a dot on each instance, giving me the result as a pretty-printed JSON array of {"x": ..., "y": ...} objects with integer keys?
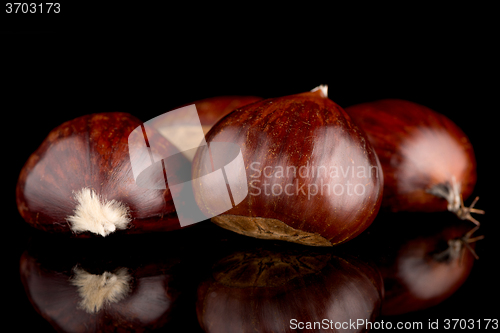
[
  {"x": 94, "y": 214},
  {"x": 98, "y": 290},
  {"x": 323, "y": 88}
]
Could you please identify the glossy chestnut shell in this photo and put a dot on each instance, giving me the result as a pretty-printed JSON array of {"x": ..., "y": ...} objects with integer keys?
[
  {"x": 209, "y": 111},
  {"x": 302, "y": 155},
  {"x": 427, "y": 160},
  {"x": 212, "y": 109},
  {"x": 91, "y": 154}
]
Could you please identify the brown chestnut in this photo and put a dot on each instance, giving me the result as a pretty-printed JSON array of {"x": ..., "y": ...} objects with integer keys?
[
  {"x": 427, "y": 160},
  {"x": 80, "y": 180},
  {"x": 310, "y": 175},
  {"x": 213, "y": 109},
  {"x": 210, "y": 110}
]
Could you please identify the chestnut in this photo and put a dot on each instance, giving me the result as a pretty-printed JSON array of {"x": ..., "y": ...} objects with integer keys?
[
  {"x": 210, "y": 110},
  {"x": 423, "y": 258},
  {"x": 288, "y": 289},
  {"x": 427, "y": 160},
  {"x": 308, "y": 173},
  {"x": 80, "y": 180},
  {"x": 98, "y": 285}
]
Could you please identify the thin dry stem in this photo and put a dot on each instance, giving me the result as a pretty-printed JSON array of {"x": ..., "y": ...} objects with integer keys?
[
  {"x": 451, "y": 192},
  {"x": 463, "y": 212}
]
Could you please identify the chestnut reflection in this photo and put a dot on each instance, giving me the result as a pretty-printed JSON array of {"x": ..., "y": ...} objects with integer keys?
[
  {"x": 423, "y": 258},
  {"x": 130, "y": 284},
  {"x": 274, "y": 289}
]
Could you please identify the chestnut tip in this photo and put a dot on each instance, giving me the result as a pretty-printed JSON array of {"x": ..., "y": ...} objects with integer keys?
[
  {"x": 323, "y": 88},
  {"x": 95, "y": 214}
]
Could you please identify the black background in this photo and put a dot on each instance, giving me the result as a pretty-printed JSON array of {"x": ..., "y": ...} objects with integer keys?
[{"x": 147, "y": 61}]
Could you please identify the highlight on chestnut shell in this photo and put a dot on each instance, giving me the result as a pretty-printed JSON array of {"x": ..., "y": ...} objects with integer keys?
[
  {"x": 427, "y": 160},
  {"x": 80, "y": 180},
  {"x": 312, "y": 176}
]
